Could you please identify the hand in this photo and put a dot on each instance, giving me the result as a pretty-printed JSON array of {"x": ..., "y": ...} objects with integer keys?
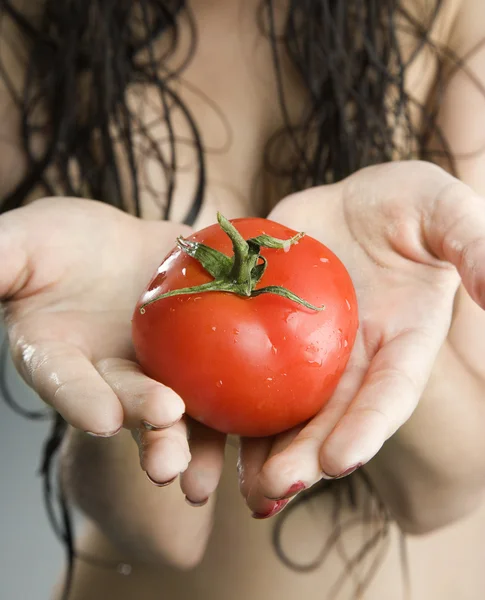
[
  {"x": 407, "y": 232},
  {"x": 72, "y": 271}
]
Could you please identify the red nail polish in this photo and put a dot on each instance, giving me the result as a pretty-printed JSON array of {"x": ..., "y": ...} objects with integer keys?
[
  {"x": 196, "y": 504},
  {"x": 294, "y": 489},
  {"x": 161, "y": 484},
  {"x": 349, "y": 471},
  {"x": 345, "y": 473},
  {"x": 291, "y": 491},
  {"x": 278, "y": 506}
]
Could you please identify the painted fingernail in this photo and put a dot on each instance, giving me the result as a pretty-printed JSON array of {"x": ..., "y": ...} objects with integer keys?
[
  {"x": 160, "y": 483},
  {"x": 150, "y": 427},
  {"x": 345, "y": 473},
  {"x": 196, "y": 504},
  {"x": 278, "y": 506},
  {"x": 103, "y": 435},
  {"x": 291, "y": 491}
]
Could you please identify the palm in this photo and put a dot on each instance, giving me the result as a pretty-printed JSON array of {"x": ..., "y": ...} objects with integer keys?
[
  {"x": 87, "y": 269},
  {"x": 82, "y": 294},
  {"x": 405, "y": 294},
  {"x": 86, "y": 254},
  {"x": 405, "y": 300},
  {"x": 75, "y": 270},
  {"x": 377, "y": 222}
]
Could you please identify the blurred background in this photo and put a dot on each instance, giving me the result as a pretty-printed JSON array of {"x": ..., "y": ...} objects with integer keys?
[{"x": 31, "y": 557}]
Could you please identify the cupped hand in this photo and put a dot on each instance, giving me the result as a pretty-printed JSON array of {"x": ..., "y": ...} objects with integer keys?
[
  {"x": 407, "y": 232},
  {"x": 72, "y": 271}
]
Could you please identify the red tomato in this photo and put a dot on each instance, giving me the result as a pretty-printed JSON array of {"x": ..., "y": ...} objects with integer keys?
[{"x": 250, "y": 366}]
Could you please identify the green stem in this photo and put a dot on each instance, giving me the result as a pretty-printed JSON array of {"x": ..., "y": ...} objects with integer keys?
[
  {"x": 212, "y": 286},
  {"x": 284, "y": 293},
  {"x": 240, "y": 268},
  {"x": 238, "y": 274}
]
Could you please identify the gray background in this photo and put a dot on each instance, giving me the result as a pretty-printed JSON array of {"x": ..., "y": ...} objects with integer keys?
[{"x": 31, "y": 558}]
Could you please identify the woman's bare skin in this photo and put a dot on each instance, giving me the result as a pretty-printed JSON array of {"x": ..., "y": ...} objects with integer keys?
[
  {"x": 233, "y": 67},
  {"x": 240, "y": 561}
]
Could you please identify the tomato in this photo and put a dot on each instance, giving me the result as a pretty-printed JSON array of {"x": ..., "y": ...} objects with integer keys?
[{"x": 251, "y": 366}]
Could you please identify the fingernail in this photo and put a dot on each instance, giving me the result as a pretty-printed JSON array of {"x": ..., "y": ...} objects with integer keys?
[
  {"x": 161, "y": 484},
  {"x": 196, "y": 504},
  {"x": 291, "y": 491},
  {"x": 278, "y": 506},
  {"x": 103, "y": 435},
  {"x": 345, "y": 473},
  {"x": 150, "y": 427}
]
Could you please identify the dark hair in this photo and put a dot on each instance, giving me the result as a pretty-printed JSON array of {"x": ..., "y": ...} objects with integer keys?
[{"x": 84, "y": 54}]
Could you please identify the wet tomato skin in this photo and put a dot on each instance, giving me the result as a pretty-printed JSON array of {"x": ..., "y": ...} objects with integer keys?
[{"x": 250, "y": 366}]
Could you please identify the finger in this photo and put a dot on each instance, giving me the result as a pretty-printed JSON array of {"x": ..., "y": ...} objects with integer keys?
[
  {"x": 145, "y": 402},
  {"x": 164, "y": 454},
  {"x": 297, "y": 466},
  {"x": 253, "y": 453},
  {"x": 202, "y": 476},
  {"x": 390, "y": 392},
  {"x": 66, "y": 380},
  {"x": 15, "y": 271},
  {"x": 256, "y": 499},
  {"x": 454, "y": 229}
]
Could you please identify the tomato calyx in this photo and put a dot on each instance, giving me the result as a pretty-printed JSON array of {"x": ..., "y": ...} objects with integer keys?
[{"x": 238, "y": 274}]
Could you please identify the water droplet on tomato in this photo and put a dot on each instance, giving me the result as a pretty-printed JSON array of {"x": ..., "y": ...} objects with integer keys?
[
  {"x": 235, "y": 331},
  {"x": 274, "y": 349},
  {"x": 346, "y": 343},
  {"x": 269, "y": 379},
  {"x": 340, "y": 333},
  {"x": 348, "y": 304},
  {"x": 315, "y": 363},
  {"x": 214, "y": 328},
  {"x": 219, "y": 383},
  {"x": 290, "y": 316},
  {"x": 324, "y": 260},
  {"x": 184, "y": 271},
  {"x": 196, "y": 298}
]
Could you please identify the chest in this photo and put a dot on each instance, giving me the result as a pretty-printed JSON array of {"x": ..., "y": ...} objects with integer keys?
[
  {"x": 334, "y": 548},
  {"x": 231, "y": 121}
]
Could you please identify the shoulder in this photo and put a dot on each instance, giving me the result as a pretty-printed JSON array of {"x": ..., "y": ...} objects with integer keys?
[
  {"x": 466, "y": 28},
  {"x": 14, "y": 58},
  {"x": 436, "y": 18}
]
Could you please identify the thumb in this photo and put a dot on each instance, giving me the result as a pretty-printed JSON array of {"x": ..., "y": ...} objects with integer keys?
[
  {"x": 454, "y": 230},
  {"x": 15, "y": 270}
]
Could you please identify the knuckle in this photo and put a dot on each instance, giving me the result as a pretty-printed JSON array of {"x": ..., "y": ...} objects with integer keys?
[
  {"x": 65, "y": 387},
  {"x": 155, "y": 416},
  {"x": 470, "y": 252},
  {"x": 107, "y": 366},
  {"x": 373, "y": 412},
  {"x": 153, "y": 392},
  {"x": 41, "y": 360}
]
